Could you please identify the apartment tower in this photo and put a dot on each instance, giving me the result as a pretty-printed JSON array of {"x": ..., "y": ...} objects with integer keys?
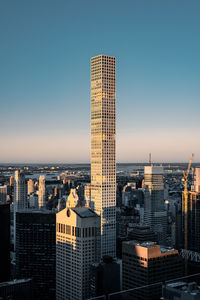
[{"x": 103, "y": 145}]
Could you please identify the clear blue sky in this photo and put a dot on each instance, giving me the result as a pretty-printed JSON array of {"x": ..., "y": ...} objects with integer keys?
[{"x": 45, "y": 51}]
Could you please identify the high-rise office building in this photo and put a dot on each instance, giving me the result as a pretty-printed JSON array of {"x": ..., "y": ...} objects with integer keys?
[
  {"x": 77, "y": 247},
  {"x": 193, "y": 219},
  {"x": 147, "y": 263},
  {"x": 197, "y": 180},
  {"x": 103, "y": 145},
  {"x": 4, "y": 241},
  {"x": 20, "y": 197},
  {"x": 36, "y": 251},
  {"x": 30, "y": 186},
  {"x": 154, "y": 210},
  {"x": 41, "y": 192}
]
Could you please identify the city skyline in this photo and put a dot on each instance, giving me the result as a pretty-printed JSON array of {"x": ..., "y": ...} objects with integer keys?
[{"x": 45, "y": 117}]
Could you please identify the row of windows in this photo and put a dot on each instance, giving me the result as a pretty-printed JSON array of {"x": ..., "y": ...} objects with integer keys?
[{"x": 76, "y": 231}]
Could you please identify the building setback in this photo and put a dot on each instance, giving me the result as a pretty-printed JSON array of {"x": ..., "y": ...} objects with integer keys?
[
  {"x": 147, "y": 263},
  {"x": 77, "y": 247},
  {"x": 103, "y": 148},
  {"x": 36, "y": 251}
]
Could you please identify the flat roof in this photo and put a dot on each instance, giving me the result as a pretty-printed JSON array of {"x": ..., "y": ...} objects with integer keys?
[{"x": 84, "y": 212}]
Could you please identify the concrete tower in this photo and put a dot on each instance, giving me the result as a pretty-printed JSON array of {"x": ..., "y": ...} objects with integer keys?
[{"x": 103, "y": 145}]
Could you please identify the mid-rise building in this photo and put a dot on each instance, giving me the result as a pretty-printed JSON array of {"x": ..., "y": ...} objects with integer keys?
[
  {"x": 103, "y": 148},
  {"x": 4, "y": 241},
  {"x": 154, "y": 211},
  {"x": 77, "y": 247},
  {"x": 36, "y": 251},
  {"x": 147, "y": 263},
  {"x": 41, "y": 192},
  {"x": 105, "y": 277}
]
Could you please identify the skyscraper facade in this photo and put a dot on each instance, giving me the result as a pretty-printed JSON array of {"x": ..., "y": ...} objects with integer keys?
[
  {"x": 154, "y": 212},
  {"x": 41, "y": 192},
  {"x": 20, "y": 197},
  {"x": 30, "y": 186},
  {"x": 4, "y": 242},
  {"x": 103, "y": 145},
  {"x": 36, "y": 251},
  {"x": 77, "y": 248}
]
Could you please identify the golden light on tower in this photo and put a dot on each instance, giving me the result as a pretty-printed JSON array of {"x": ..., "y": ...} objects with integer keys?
[{"x": 185, "y": 207}]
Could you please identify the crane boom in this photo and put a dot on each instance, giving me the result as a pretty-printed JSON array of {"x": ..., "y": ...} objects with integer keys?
[{"x": 185, "y": 203}]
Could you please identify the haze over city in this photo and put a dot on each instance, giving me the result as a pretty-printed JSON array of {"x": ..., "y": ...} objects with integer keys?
[{"x": 45, "y": 78}]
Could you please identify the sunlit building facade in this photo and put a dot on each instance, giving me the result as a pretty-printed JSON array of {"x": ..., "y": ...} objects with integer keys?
[
  {"x": 20, "y": 197},
  {"x": 77, "y": 247},
  {"x": 103, "y": 148},
  {"x": 41, "y": 192},
  {"x": 30, "y": 186}
]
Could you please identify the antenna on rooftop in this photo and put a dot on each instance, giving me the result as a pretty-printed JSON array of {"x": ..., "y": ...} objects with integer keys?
[{"x": 150, "y": 162}]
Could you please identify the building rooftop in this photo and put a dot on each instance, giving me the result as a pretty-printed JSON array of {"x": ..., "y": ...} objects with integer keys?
[
  {"x": 84, "y": 212},
  {"x": 190, "y": 288},
  {"x": 152, "y": 247},
  {"x": 36, "y": 211},
  {"x": 15, "y": 281}
]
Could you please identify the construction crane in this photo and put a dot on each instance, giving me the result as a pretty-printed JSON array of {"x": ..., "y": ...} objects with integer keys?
[{"x": 185, "y": 207}]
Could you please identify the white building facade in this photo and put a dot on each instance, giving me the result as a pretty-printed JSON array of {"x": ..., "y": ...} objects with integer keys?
[
  {"x": 41, "y": 192},
  {"x": 77, "y": 247}
]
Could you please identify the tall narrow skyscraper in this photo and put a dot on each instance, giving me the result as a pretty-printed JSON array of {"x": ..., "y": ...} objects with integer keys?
[
  {"x": 103, "y": 145},
  {"x": 41, "y": 192},
  {"x": 20, "y": 196}
]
